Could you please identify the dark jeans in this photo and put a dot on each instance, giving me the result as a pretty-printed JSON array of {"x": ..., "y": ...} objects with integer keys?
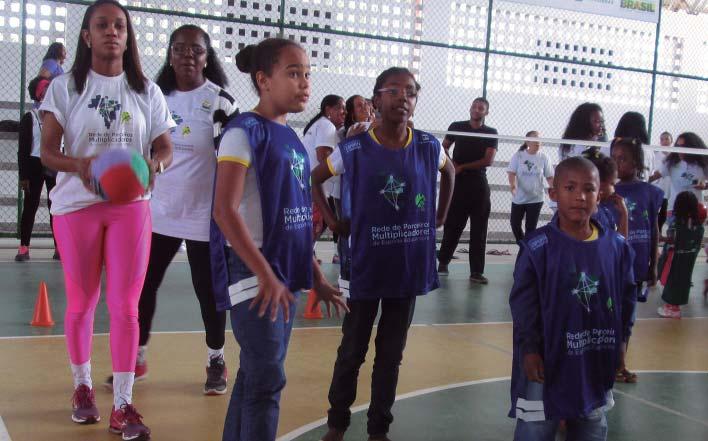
[
  {"x": 37, "y": 179},
  {"x": 254, "y": 407},
  {"x": 532, "y": 213},
  {"x": 391, "y": 334},
  {"x": 470, "y": 200},
  {"x": 162, "y": 252}
]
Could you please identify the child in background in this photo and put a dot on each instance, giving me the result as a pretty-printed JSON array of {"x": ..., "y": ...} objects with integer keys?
[
  {"x": 569, "y": 324},
  {"x": 643, "y": 202},
  {"x": 684, "y": 240},
  {"x": 611, "y": 210},
  {"x": 527, "y": 169}
]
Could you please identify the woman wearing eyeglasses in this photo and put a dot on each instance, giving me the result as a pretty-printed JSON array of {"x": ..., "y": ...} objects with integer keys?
[
  {"x": 389, "y": 176},
  {"x": 192, "y": 80}
]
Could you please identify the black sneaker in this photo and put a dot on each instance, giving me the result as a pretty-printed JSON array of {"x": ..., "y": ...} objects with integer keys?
[
  {"x": 216, "y": 377},
  {"x": 479, "y": 278},
  {"x": 442, "y": 269}
]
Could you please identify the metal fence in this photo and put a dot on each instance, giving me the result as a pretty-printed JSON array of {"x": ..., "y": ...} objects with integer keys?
[{"x": 534, "y": 64}]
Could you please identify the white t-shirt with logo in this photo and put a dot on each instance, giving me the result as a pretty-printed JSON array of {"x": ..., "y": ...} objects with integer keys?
[
  {"x": 107, "y": 114},
  {"x": 663, "y": 182},
  {"x": 683, "y": 177},
  {"x": 235, "y": 147},
  {"x": 322, "y": 133},
  {"x": 531, "y": 172},
  {"x": 181, "y": 199}
]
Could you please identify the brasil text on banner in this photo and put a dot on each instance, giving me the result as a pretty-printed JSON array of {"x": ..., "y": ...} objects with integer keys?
[{"x": 644, "y": 10}]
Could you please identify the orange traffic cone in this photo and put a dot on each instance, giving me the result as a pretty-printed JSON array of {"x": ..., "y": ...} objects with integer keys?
[
  {"x": 42, "y": 310},
  {"x": 312, "y": 309}
]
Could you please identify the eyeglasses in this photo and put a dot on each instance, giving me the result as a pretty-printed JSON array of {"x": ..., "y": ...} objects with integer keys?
[
  {"x": 181, "y": 49},
  {"x": 395, "y": 92}
]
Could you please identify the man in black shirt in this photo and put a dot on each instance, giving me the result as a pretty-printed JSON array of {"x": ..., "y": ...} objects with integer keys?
[{"x": 470, "y": 199}]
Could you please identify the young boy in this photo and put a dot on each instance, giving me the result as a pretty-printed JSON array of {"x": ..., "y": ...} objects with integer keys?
[{"x": 571, "y": 304}]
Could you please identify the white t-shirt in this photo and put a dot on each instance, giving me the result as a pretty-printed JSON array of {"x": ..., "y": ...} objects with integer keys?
[
  {"x": 36, "y": 134},
  {"x": 322, "y": 133},
  {"x": 683, "y": 177},
  {"x": 531, "y": 171},
  {"x": 335, "y": 163},
  {"x": 234, "y": 147},
  {"x": 107, "y": 114},
  {"x": 663, "y": 182},
  {"x": 181, "y": 199}
]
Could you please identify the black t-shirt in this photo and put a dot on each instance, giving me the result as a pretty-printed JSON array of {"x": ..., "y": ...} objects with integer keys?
[{"x": 468, "y": 148}]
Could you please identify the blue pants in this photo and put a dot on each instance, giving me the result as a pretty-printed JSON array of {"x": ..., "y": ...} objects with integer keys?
[
  {"x": 592, "y": 427},
  {"x": 254, "y": 408}
]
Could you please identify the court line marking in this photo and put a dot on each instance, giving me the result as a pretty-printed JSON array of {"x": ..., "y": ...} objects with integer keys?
[
  {"x": 315, "y": 424},
  {"x": 309, "y": 328},
  {"x": 4, "y": 434}
]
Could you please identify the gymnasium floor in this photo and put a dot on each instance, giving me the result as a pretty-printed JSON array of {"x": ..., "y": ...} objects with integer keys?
[{"x": 453, "y": 386}]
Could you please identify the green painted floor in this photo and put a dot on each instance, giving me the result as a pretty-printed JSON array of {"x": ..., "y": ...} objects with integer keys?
[
  {"x": 457, "y": 300},
  {"x": 661, "y": 407}
]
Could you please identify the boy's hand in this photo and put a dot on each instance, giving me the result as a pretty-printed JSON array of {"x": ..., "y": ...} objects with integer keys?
[
  {"x": 533, "y": 366},
  {"x": 331, "y": 296}
]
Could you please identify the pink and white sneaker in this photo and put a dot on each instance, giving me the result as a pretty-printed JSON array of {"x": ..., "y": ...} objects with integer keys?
[
  {"x": 129, "y": 423},
  {"x": 669, "y": 311},
  {"x": 83, "y": 403}
]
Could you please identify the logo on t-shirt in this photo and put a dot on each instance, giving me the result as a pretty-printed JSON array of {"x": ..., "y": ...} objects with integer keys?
[
  {"x": 420, "y": 201},
  {"x": 206, "y": 105},
  {"x": 690, "y": 178},
  {"x": 392, "y": 190},
  {"x": 297, "y": 166},
  {"x": 631, "y": 207},
  {"x": 585, "y": 289},
  {"x": 108, "y": 109},
  {"x": 529, "y": 165}
]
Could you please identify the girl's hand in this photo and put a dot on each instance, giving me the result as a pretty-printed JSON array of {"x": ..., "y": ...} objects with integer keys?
[
  {"x": 618, "y": 202},
  {"x": 356, "y": 129},
  {"x": 272, "y": 292},
  {"x": 513, "y": 190},
  {"x": 331, "y": 297}
]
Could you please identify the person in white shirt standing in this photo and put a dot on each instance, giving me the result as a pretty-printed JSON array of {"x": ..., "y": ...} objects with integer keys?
[
  {"x": 527, "y": 170},
  {"x": 104, "y": 103},
  {"x": 192, "y": 80},
  {"x": 320, "y": 139}
]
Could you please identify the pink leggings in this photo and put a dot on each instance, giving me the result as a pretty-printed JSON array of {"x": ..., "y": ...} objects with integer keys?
[{"x": 119, "y": 237}]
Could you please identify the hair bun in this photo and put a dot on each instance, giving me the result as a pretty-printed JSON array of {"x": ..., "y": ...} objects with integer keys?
[{"x": 244, "y": 58}]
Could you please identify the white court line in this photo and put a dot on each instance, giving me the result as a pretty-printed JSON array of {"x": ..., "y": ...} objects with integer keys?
[
  {"x": 4, "y": 434},
  {"x": 308, "y": 427},
  {"x": 315, "y": 424},
  {"x": 314, "y": 328}
]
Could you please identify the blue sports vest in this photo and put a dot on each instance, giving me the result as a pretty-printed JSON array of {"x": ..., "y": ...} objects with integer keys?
[
  {"x": 390, "y": 198},
  {"x": 283, "y": 176}
]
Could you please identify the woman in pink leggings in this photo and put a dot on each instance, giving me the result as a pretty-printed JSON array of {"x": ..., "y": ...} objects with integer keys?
[{"x": 105, "y": 102}]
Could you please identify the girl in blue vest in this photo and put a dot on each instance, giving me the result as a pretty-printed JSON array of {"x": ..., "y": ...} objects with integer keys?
[
  {"x": 643, "y": 202},
  {"x": 262, "y": 248},
  {"x": 389, "y": 179}
]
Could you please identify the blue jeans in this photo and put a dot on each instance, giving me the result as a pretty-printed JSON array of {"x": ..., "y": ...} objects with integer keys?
[
  {"x": 254, "y": 408},
  {"x": 592, "y": 427}
]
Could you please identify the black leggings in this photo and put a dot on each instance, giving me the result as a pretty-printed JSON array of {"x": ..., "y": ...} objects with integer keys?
[
  {"x": 162, "y": 251},
  {"x": 37, "y": 179},
  {"x": 532, "y": 212},
  {"x": 662, "y": 214}
]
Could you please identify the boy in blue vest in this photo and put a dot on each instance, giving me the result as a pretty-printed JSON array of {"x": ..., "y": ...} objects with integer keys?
[{"x": 571, "y": 304}]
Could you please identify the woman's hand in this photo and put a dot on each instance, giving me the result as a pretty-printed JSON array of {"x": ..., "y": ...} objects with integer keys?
[{"x": 83, "y": 169}]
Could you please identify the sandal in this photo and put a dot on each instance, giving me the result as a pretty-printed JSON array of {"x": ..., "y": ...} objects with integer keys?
[{"x": 463, "y": 251}]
